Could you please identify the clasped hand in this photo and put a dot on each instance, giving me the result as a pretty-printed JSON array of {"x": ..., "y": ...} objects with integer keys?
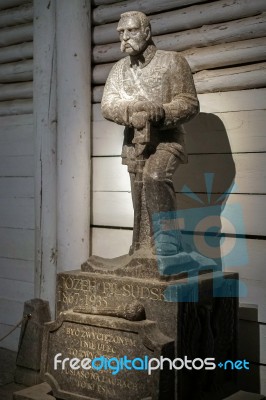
[{"x": 142, "y": 111}]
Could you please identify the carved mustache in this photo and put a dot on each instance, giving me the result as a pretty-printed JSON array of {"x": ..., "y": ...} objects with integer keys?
[{"x": 130, "y": 43}]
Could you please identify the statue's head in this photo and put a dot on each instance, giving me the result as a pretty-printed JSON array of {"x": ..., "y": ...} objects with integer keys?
[{"x": 134, "y": 31}]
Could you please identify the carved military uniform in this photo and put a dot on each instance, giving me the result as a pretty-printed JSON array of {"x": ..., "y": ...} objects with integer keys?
[{"x": 163, "y": 77}]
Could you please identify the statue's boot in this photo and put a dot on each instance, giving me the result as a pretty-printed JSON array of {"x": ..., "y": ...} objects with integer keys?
[{"x": 161, "y": 206}]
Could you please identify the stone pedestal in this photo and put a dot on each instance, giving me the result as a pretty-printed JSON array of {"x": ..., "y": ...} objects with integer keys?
[
  {"x": 199, "y": 313},
  {"x": 102, "y": 337},
  {"x": 30, "y": 342},
  {"x": 184, "y": 319},
  {"x": 42, "y": 391}
]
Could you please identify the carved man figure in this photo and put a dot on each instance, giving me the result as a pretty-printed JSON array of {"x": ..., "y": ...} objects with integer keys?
[{"x": 151, "y": 92}]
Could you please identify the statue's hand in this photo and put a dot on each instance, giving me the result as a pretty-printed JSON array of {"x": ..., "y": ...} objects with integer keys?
[
  {"x": 139, "y": 119},
  {"x": 154, "y": 112}
]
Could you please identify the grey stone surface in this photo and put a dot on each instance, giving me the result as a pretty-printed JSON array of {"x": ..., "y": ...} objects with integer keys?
[
  {"x": 83, "y": 335},
  {"x": 7, "y": 366},
  {"x": 245, "y": 396},
  {"x": 38, "y": 392},
  {"x": 30, "y": 341},
  {"x": 27, "y": 376},
  {"x": 201, "y": 323},
  {"x": 144, "y": 264},
  {"x": 151, "y": 92},
  {"x": 7, "y": 391}
]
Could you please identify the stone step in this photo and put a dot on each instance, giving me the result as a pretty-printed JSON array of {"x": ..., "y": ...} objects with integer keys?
[
  {"x": 245, "y": 396},
  {"x": 37, "y": 392}
]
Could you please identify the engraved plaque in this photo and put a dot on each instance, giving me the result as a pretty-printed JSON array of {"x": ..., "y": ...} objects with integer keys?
[{"x": 81, "y": 336}]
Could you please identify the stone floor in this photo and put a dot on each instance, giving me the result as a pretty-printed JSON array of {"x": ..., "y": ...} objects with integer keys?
[
  {"x": 7, "y": 368},
  {"x": 245, "y": 396}
]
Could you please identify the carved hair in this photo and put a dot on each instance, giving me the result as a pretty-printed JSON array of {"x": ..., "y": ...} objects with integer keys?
[{"x": 144, "y": 20}]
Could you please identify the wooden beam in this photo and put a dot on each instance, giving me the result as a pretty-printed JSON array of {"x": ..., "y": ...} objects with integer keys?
[
  {"x": 16, "y": 107},
  {"x": 237, "y": 131},
  {"x": 17, "y": 213},
  {"x": 16, "y": 16},
  {"x": 18, "y": 244},
  {"x": 100, "y": 73},
  {"x": 14, "y": 91},
  {"x": 14, "y": 307},
  {"x": 237, "y": 78},
  {"x": 246, "y": 170},
  {"x": 221, "y": 55},
  {"x": 97, "y": 94},
  {"x": 11, "y": 341},
  {"x": 16, "y": 34},
  {"x": 73, "y": 132},
  {"x": 120, "y": 203},
  {"x": 109, "y": 13},
  {"x": 17, "y": 269},
  {"x": 12, "y": 3},
  {"x": 16, "y": 72},
  {"x": 18, "y": 52},
  {"x": 219, "y": 80},
  {"x": 188, "y": 18},
  {"x": 104, "y": 2},
  {"x": 209, "y": 35},
  {"x": 17, "y": 166},
  {"x": 45, "y": 114},
  {"x": 222, "y": 102},
  {"x": 119, "y": 241},
  {"x": 15, "y": 290},
  {"x": 17, "y": 187},
  {"x": 254, "y": 99},
  {"x": 17, "y": 135}
]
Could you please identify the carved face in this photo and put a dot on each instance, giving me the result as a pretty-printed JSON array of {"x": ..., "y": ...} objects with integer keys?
[{"x": 132, "y": 35}]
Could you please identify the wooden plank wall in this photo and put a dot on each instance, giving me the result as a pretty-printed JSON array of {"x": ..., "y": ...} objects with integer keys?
[
  {"x": 224, "y": 42},
  {"x": 16, "y": 164}
]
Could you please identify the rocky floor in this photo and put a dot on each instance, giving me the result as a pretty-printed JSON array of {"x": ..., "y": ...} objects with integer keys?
[{"x": 7, "y": 368}]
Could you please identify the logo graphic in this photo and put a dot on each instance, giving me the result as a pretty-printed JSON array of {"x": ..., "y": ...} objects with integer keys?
[
  {"x": 115, "y": 365},
  {"x": 204, "y": 243}
]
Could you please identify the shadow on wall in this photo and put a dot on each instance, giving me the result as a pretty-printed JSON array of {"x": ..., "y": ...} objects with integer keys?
[
  {"x": 204, "y": 185},
  {"x": 203, "y": 188}
]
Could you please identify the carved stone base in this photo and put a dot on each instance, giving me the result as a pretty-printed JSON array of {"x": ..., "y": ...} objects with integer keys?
[
  {"x": 102, "y": 337},
  {"x": 27, "y": 377},
  {"x": 143, "y": 264},
  {"x": 37, "y": 392},
  {"x": 198, "y": 312}
]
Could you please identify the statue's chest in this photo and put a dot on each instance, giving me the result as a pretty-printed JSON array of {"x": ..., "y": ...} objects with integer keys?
[{"x": 148, "y": 82}]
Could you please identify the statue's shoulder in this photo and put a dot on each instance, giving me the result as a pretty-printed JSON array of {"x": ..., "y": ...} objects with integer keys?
[
  {"x": 170, "y": 55},
  {"x": 171, "y": 59},
  {"x": 117, "y": 69},
  {"x": 120, "y": 64}
]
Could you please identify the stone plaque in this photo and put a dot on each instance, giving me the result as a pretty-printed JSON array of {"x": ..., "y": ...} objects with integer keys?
[
  {"x": 81, "y": 336},
  {"x": 193, "y": 311},
  {"x": 160, "y": 298}
]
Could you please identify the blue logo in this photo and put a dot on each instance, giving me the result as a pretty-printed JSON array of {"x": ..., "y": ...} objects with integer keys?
[
  {"x": 202, "y": 245},
  {"x": 231, "y": 365}
]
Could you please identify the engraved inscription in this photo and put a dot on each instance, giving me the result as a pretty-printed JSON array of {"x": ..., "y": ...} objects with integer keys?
[
  {"x": 77, "y": 291},
  {"x": 85, "y": 341}
]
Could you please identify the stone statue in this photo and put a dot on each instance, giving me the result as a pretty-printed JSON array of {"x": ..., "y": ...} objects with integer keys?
[{"x": 151, "y": 92}]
